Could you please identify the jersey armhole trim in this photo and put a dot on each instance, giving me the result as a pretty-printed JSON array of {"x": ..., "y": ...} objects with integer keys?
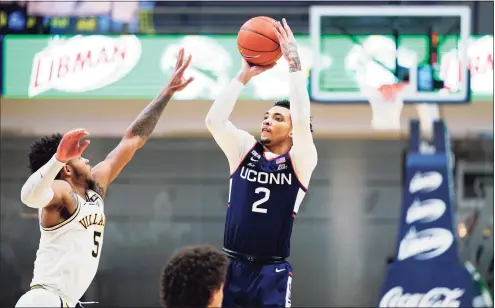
[
  {"x": 63, "y": 223},
  {"x": 63, "y": 303},
  {"x": 87, "y": 197},
  {"x": 243, "y": 158},
  {"x": 303, "y": 187}
]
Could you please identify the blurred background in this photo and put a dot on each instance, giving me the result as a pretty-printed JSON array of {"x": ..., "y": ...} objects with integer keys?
[{"x": 174, "y": 191}]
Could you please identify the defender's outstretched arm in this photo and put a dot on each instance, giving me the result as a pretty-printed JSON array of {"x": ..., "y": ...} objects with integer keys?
[{"x": 140, "y": 130}]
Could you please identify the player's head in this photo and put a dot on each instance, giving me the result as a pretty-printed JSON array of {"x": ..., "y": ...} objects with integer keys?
[
  {"x": 194, "y": 277},
  {"x": 77, "y": 170},
  {"x": 276, "y": 127}
]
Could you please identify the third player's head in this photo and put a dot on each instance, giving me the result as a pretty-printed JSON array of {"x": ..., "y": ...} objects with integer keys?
[
  {"x": 194, "y": 277},
  {"x": 276, "y": 128},
  {"x": 77, "y": 171}
]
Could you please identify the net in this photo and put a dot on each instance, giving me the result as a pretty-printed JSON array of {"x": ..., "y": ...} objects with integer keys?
[
  {"x": 387, "y": 102},
  {"x": 386, "y": 105}
]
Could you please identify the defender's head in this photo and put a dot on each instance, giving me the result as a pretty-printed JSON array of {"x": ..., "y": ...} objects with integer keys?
[
  {"x": 194, "y": 277},
  {"x": 276, "y": 127},
  {"x": 77, "y": 170}
]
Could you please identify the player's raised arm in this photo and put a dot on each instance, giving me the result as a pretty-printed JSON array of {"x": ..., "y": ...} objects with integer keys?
[
  {"x": 140, "y": 130},
  {"x": 41, "y": 188},
  {"x": 234, "y": 142},
  {"x": 303, "y": 150}
]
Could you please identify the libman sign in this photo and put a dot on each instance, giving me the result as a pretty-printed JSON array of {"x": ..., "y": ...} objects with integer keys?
[
  {"x": 82, "y": 64},
  {"x": 130, "y": 67}
]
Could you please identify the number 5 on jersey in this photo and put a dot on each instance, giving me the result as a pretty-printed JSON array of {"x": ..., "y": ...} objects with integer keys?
[
  {"x": 96, "y": 240},
  {"x": 257, "y": 205}
]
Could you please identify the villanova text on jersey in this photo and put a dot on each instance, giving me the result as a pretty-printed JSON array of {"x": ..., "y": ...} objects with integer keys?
[{"x": 264, "y": 198}]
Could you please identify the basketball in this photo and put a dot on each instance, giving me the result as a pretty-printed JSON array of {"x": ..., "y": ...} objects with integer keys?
[{"x": 257, "y": 42}]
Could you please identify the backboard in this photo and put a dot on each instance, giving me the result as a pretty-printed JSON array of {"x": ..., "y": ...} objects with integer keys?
[{"x": 370, "y": 46}]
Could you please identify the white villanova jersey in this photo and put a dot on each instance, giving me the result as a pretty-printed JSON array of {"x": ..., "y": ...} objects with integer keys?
[{"x": 69, "y": 253}]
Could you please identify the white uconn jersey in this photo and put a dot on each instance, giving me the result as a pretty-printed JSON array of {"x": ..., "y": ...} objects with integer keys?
[{"x": 69, "y": 253}]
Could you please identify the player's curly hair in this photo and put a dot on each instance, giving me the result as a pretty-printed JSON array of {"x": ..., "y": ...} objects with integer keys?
[
  {"x": 286, "y": 104},
  {"x": 41, "y": 151},
  {"x": 192, "y": 276}
]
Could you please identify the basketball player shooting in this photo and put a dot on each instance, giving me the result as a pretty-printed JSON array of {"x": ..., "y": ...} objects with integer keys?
[
  {"x": 268, "y": 182},
  {"x": 69, "y": 194}
]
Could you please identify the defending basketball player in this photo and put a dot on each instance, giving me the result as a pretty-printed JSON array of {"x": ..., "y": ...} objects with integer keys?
[
  {"x": 69, "y": 195},
  {"x": 269, "y": 179}
]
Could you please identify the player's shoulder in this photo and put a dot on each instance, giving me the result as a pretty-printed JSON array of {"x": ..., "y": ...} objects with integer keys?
[
  {"x": 254, "y": 148},
  {"x": 253, "y": 144},
  {"x": 310, "y": 155},
  {"x": 304, "y": 165},
  {"x": 93, "y": 194},
  {"x": 62, "y": 185}
]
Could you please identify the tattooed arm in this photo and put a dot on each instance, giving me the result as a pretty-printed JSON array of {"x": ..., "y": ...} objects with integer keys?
[
  {"x": 140, "y": 130},
  {"x": 303, "y": 150}
]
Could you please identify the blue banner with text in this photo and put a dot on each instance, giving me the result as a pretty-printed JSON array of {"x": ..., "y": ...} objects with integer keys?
[{"x": 427, "y": 271}]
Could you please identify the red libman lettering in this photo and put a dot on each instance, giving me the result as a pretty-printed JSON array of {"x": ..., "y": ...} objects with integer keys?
[{"x": 83, "y": 64}]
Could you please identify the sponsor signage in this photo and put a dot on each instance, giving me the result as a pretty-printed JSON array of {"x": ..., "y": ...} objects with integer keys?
[
  {"x": 83, "y": 64},
  {"x": 131, "y": 67},
  {"x": 426, "y": 271}
]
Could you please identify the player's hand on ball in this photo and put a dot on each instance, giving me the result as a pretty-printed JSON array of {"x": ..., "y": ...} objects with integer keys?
[
  {"x": 249, "y": 70},
  {"x": 254, "y": 70},
  {"x": 177, "y": 81},
  {"x": 70, "y": 146},
  {"x": 288, "y": 45}
]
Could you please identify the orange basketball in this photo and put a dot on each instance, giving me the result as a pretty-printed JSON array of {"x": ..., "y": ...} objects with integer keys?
[{"x": 257, "y": 42}]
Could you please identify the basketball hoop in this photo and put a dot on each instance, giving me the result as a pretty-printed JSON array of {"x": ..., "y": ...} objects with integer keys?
[
  {"x": 386, "y": 105},
  {"x": 387, "y": 102}
]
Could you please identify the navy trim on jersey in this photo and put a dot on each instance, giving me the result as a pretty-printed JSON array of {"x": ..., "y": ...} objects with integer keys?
[{"x": 243, "y": 158}]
